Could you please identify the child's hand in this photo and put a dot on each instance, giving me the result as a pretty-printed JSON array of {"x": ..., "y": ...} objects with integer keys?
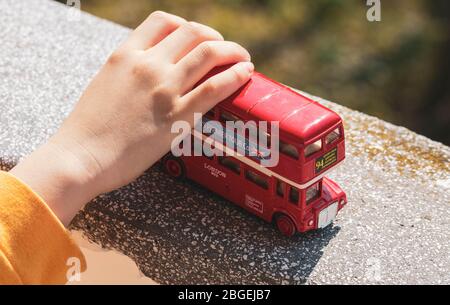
[{"x": 121, "y": 125}]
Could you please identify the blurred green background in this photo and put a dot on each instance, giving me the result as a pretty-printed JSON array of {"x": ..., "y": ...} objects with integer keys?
[{"x": 397, "y": 69}]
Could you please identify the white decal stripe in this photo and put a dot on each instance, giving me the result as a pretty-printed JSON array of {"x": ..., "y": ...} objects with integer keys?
[{"x": 257, "y": 166}]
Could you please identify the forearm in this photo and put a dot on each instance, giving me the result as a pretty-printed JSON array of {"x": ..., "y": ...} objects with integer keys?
[{"x": 61, "y": 174}]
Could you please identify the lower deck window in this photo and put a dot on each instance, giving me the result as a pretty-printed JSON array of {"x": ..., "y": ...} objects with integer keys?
[
  {"x": 256, "y": 179},
  {"x": 312, "y": 193},
  {"x": 280, "y": 188},
  {"x": 294, "y": 195},
  {"x": 231, "y": 164}
]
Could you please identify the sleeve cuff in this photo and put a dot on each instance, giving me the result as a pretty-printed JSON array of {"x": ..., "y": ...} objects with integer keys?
[{"x": 33, "y": 241}]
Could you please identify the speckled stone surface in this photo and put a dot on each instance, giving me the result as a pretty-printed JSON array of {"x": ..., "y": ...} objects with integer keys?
[{"x": 395, "y": 229}]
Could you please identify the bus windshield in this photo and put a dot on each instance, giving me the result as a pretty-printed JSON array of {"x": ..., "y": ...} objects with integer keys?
[{"x": 329, "y": 139}]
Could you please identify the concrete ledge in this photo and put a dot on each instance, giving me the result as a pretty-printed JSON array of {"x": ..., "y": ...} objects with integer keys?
[{"x": 395, "y": 229}]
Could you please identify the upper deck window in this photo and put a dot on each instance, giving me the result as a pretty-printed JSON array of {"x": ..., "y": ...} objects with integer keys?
[
  {"x": 333, "y": 136},
  {"x": 313, "y": 148},
  {"x": 289, "y": 150}
]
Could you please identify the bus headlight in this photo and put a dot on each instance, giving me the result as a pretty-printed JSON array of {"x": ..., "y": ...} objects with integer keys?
[
  {"x": 310, "y": 223},
  {"x": 342, "y": 202}
]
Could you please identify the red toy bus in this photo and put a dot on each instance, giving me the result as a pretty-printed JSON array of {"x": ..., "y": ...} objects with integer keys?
[{"x": 294, "y": 194}]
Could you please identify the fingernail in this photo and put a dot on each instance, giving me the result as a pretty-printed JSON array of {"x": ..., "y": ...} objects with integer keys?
[{"x": 249, "y": 66}]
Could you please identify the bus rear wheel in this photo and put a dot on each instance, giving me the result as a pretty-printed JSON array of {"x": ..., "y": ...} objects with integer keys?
[
  {"x": 285, "y": 225},
  {"x": 174, "y": 167}
]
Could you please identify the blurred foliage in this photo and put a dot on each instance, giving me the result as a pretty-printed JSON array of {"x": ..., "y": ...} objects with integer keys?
[{"x": 397, "y": 69}]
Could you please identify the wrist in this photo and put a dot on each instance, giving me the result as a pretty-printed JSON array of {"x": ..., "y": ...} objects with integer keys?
[{"x": 61, "y": 175}]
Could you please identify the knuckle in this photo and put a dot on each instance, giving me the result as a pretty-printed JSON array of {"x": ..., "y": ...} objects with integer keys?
[
  {"x": 239, "y": 75},
  {"x": 207, "y": 50},
  {"x": 194, "y": 28},
  {"x": 117, "y": 57},
  {"x": 160, "y": 15},
  {"x": 237, "y": 50},
  {"x": 210, "y": 88},
  {"x": 202, "y": 31},
  {"x": 240, "y": 49},
  {"x": 166, "y": 18},
  {"x": 233, "y": 44}
]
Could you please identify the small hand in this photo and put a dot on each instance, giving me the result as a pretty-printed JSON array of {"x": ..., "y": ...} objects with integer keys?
[{"x": 121, "y": 125}]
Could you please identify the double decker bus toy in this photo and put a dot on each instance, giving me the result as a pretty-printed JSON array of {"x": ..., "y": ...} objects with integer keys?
[{"x": 294, "y": 193}]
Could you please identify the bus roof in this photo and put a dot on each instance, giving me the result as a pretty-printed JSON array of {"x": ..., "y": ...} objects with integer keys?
[{"x": 266, "y": 100}]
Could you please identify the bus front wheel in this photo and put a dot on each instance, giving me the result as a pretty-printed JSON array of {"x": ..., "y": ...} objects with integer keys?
[
  {"x": 174, "y": 167},
  {"x": 285, "y": 225}
]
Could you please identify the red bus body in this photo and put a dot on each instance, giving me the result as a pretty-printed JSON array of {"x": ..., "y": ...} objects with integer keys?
[{"x": 295, "y": 190}]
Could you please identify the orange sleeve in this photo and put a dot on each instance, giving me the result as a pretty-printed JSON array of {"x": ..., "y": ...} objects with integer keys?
[{"x": 35, "y": 248}]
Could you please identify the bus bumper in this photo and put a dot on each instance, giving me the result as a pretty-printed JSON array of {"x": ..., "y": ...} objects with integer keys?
[{"x": 325, "y": 212}]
